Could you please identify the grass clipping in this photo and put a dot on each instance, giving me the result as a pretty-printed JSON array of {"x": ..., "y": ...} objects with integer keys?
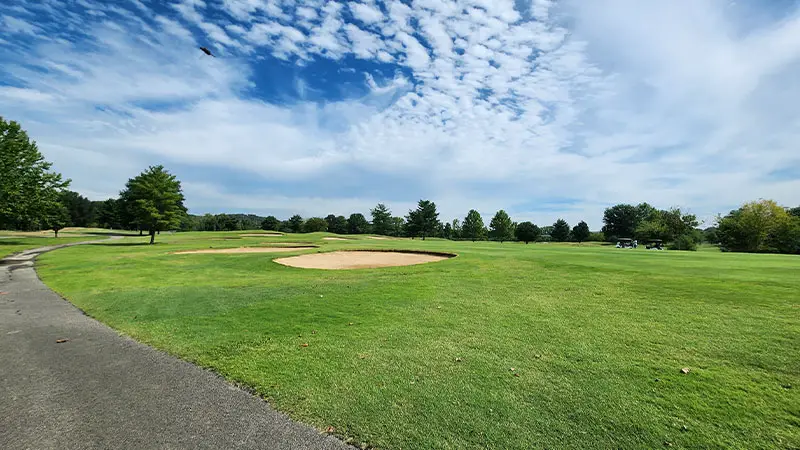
[{"x": 361, "y": 259}]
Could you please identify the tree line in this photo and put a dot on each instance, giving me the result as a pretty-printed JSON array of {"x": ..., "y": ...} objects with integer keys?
[
  {"x": 423, "y": 222},
  {"x": 32, "y": 197}
]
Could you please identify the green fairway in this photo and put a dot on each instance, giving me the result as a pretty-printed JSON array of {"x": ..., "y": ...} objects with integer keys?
[
  {"x": 12, "y": 244},
  {"x": 505, "y": 346}
]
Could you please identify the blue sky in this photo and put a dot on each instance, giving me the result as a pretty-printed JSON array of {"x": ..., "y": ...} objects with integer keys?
[{"x": 545, "y": 109}]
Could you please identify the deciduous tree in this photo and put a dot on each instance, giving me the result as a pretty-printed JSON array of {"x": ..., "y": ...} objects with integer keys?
[
  {"x": 315, "y": 224},
  {"x": 527, "y": 232},
  {"x": 501, "y": 227},
  {"x": 57, "y": 218},
  {"x": 270, "y": 223},
  {"x": 29, "y": 191},
  {"x": 580, "y": 232},
  {"x": 473, "y": 227},
  {"x": 357, "y": 224},
  {"x": 295, "y": 224},
  {"x": 759, "y": 226},
  {"x": 80, "y": 209},
  {"x": 621, "y": 221},
  {"x": 456, "y": 229}
]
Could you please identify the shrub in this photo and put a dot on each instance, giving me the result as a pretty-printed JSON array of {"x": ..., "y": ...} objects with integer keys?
[{"x": 684, "y": 242}]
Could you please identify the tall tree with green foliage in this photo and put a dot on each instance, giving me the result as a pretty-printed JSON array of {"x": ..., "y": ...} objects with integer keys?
[
  {"x": 456, "y": 229},
  {"x": 760, "y": 226},
  {"x": 527, "y": 232},
  {"x": 381, "y": 220},
  {"x": 295, "y": 224},
  {"x": 580, "y": 232},
  {"x": 621, "y": 221},
  {"x": 357, "y": 224},
  {"x": 670, "y": 226},
  {"x": 29, "y": 191},
  {"x": 397, "y": 225},
  {"x": 473, "y": 227},
  {"x": 56, "y": 218},
  {"x": 336, "y": 224},
  {"x": 447, "y": 231},
  {"x": 501, "y": 228},
  {"x": 270, "y": 223},
  {"x": 423, "y": 221},
  {"x": 107, "y": 214},
  {"x": 79, "y": 208},
  {"x": 156, "y": 200},
  {"x": 560, "y": 231},
  {"x": 315, "y": 225}
]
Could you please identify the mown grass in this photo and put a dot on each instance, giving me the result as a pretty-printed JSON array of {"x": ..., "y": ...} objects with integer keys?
[
  {"x": 10, "y": 244},
  {"x": 422, "y": 356}
]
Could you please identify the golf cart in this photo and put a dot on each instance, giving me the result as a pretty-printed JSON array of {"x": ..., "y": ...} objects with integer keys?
[
  {"x": 655, "y": 244},
  {"x": 625, "y": 243}
]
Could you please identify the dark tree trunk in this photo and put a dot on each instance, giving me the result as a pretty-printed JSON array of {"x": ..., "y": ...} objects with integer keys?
[
  {"x": 152, "y": 236},
  {"x": 141, "y": 231},
  {"x": 56, "y": 231}
]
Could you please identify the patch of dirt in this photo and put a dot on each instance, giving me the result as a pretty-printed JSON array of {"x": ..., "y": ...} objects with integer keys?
[
  {"x": 359, "y": 259},
  {"x": 261, "y": 235},
  {"x": 334, "y": 239},
  {"x": 244, "y": 250}
]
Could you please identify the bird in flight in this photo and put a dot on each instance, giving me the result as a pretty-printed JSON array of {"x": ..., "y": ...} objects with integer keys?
[{"x": 207, "y": 51}]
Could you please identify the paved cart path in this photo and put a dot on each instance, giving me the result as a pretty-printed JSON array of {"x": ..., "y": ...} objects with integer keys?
[{"x": 104, "y": 391}]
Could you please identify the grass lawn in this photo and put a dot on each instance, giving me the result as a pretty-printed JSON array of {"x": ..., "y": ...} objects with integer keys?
[
  {"x": 12, "y": 244},
  {"x": 422, "y": 356}
]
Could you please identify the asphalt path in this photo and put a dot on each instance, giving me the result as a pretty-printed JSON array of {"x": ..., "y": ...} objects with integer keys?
[{"x": 100, "y": 390}]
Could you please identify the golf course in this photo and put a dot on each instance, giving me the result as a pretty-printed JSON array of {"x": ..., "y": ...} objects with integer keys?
[{"x": 504, "y": 345}]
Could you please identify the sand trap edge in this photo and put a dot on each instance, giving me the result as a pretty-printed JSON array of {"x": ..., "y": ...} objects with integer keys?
[{"x": 444, "y": 255}]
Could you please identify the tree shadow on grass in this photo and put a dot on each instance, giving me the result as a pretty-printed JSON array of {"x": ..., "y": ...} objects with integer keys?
[
  {"x": 122, "y": 244},
  {"x": 12, "y": 241}
]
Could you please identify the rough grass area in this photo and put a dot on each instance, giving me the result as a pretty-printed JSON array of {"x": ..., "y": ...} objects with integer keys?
[{"x": 507, "y": 346}]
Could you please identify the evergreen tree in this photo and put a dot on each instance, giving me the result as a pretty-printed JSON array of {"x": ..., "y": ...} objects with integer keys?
[
  {"x": 381, "y": 220},
  {"x": 156, "y": 200},
  {"x": 560, "y": 231}
]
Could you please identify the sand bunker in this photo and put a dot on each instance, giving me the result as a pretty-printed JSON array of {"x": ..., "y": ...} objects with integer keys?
[
  {"x": 334, "y": 239},
  {"x": 359, "y": 259},
  {"x": 245, "y": 250},
  {"x": 261, "y": 235},
  {"x": 380, "y": 238}
]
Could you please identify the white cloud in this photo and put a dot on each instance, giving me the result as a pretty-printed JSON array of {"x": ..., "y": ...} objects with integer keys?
[
  {"x": 365, "y": 44},
  {"x": 16, "y": 25},
  {"x": 14, "y": 94},
  {"x": 366, "y": 13},
  {"x": 684, "y": 103},
  {"x": 218, "y": 34},
  {"x": 307, "y": 13}
]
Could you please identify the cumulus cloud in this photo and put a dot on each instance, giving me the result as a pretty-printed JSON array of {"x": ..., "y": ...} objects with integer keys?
[{"x": 544, "y": 108}]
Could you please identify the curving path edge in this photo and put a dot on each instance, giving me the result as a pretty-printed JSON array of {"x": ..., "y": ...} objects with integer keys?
[{"x": 100, "y": 390}]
